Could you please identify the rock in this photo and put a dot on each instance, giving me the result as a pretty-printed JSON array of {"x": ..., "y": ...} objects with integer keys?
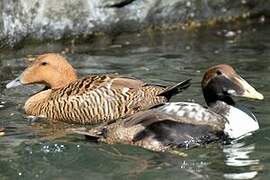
[{"x": 38, "y": 20}]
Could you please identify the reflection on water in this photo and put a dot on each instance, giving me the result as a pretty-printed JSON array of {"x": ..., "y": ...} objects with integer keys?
[
  {"x": 39, "y": 150},
  {"x": 247, "y": 175},
  {"x": 238, "y": 155}
]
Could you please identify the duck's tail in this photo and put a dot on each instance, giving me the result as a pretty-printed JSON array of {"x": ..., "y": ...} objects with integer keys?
[{"x": 177, "y": 88}]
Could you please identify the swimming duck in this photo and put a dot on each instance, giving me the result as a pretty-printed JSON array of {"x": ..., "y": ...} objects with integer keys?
[
  {"x": 187, "y": 124},
  {"x": 91, "y": 99}
]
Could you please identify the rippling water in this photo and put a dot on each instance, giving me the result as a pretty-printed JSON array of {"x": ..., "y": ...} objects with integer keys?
[{"x": 36, "y": 149}]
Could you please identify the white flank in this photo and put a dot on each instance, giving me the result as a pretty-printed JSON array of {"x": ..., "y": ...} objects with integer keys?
[{"x": 239, "y": 123}]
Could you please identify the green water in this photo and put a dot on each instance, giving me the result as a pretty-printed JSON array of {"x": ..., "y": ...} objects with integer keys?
[{"x": 29, "y": 149}]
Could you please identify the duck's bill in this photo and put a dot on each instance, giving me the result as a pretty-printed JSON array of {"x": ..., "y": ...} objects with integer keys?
[
  {"x": 16, "y": 82},
  {"x": 243, "y": 89}
]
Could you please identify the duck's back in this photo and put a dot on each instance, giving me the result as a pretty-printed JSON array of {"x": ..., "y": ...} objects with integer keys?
[{"x": 96, "y": 99}]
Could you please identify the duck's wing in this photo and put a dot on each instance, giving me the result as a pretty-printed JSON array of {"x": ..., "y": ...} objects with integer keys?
[
  {"x": 93, "y": 82},
  {"x": 177, "y": 126},
  {"x": 152, "y": 130},
  {"x": 99, "y": 98},
  {"x": 181, "y": 112},
  {"x": 170, "y": 133},
  {"x": 171, "y": 130},
  {"x": 149, "y": 95}
]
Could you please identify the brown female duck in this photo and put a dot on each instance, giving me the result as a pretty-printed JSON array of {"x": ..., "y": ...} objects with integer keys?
[
  {"x": 89, "y": 100},
  {"x": 186, "y": 124}
]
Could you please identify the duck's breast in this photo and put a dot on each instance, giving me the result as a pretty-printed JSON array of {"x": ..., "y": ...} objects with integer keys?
[{"x": 239, "y": 123}]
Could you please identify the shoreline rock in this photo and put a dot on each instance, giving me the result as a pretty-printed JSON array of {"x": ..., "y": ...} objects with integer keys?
[{"x": 23, "y": 20}]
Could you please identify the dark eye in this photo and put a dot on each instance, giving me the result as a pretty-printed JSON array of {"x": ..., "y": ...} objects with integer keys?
[
  {"x": 44, "y": 63},
  {"x": 218, "y": 72}
]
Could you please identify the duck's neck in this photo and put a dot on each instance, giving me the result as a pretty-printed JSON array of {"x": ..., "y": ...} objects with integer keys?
[
  {"x": 220, "y": 107},
  {"x": 36, "y": 104},
  {"x": 212, "y": 98},
  {"x": 62, "y": 81}
]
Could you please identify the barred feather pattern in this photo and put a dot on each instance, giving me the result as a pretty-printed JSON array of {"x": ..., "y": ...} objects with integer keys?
[{"x": 91, "y": 101}]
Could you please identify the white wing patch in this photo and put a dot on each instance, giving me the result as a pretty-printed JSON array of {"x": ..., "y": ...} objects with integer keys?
[
  {"x": 187, "y": 109},
  {"x": 239, "y": 123}
]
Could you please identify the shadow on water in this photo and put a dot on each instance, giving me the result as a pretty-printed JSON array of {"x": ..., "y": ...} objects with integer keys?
[{"x": 36, "y": 149}]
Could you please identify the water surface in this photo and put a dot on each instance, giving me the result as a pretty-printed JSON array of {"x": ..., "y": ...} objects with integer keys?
[{"x": 30, "y": 149}]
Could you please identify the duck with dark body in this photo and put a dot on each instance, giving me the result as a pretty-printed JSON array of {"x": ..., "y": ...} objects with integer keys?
[
  {"x": 185, "y": 124},
  {"x": 91, "y": 99}
]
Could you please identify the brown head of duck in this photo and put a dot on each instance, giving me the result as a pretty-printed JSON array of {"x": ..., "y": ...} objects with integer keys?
[
  {"x": 50, "y": 69},
  {"x": 221, "y": 82}
]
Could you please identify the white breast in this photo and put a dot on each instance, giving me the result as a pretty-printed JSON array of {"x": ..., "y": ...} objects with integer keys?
[{"x": 239, "y": 123}]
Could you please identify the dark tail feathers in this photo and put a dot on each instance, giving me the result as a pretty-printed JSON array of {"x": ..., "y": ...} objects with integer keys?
[{"x": 173, "y": 90}]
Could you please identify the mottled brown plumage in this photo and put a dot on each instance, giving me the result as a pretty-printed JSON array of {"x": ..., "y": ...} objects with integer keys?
[{"x": 90, "y": 100}]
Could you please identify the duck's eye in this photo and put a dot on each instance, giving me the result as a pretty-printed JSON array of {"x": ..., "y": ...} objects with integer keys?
[
  {"x": 44, "y": 63},
  {"x": 218, "y": 72}
]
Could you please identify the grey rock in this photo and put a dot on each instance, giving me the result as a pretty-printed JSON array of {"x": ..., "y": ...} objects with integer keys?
[{"x": 38, "y": 20}]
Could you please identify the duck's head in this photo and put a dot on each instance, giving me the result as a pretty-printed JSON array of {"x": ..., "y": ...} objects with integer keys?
[
  {"x": 221, "y": 82},
  {"x": 50, "y": 69}
]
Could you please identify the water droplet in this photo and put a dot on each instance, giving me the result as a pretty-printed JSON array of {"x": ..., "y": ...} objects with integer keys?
[
  {"x": 216, "y": 51},
  {"x": 183, "y": 27},
  {"x": 243, "y": 1},
  {"x": 223, "y": 9},
  {"x": 78, "y": 146},
  {"x": 239, "y": 31},
  {"x": 262, "y": 19},
  {"x": 188, "y": 47},
  {"x": 231, "y": 41},
  {"x": 230, "y": 34},
  {"x": 188, "y": 4},
  {"x": 116, "y": 46},
  {"x": 219, "y": 33},
  {"x": 19, "y": 173},
  {"x": 245, "y": 15}
]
